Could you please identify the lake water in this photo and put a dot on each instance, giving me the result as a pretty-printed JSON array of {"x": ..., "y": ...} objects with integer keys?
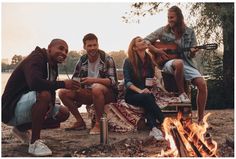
[{"x": 5, "y": 77}]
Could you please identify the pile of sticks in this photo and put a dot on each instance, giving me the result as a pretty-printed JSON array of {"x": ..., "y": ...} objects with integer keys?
[{"x": 198, "y": 147}]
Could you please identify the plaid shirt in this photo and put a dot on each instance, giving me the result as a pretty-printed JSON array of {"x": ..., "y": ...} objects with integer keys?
[{"x": 107, "y": 68}]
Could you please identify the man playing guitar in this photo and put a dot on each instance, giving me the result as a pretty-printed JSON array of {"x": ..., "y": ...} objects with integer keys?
[{"x": 183, "y": 66}]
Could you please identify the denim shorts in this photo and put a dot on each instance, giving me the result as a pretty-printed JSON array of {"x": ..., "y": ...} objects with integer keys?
[
  {"x": 24, "y": 107},
  {"x": 189, "y": 72}
]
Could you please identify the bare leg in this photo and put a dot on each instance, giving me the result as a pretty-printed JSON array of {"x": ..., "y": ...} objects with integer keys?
[
  {"x": 201, "y": 96},
  {"x": 62, "y": 115},
  {"x": 179, "y": 74},
  {"x": 39, "y": 111},
  {"x": 101, "y": 96},
  {"x": 68, "y": 99},
  {"x": 74, "y": 99}
]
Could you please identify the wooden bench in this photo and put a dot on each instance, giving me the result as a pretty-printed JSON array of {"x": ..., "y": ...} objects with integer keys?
[
  {"x": 170, "y": 86},
  {"x": 117, "y": 112},
  {"x": 174, "y": 108}
]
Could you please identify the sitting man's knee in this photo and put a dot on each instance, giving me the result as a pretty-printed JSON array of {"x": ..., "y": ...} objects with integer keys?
[
  {"x": 44, "y": 96},
  {"x": 62, "y": 93},
  {"x": 97, "y": 89},
  {"x": 178, "y": 63},
  {"x": 201, "y": 84}
]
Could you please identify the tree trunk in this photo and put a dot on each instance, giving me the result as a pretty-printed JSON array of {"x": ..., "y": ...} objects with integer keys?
[{"x": 228, "y": 59}]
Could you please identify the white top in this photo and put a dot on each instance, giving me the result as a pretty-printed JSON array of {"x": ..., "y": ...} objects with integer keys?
[{"x": 93, "y": 68}]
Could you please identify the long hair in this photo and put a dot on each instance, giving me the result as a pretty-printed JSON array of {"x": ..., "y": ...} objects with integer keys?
[
  {"x": 133, "y": 57},
  {"x": 180, "y": 25}
]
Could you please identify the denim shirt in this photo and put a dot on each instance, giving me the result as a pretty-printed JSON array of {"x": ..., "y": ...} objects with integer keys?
[
  {"x": 187, "y": 40},
  {"x": 129, "y": 77}
]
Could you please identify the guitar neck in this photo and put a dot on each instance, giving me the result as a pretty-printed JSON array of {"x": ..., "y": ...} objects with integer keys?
[
  {"x": 175, "y": 47},
  {"x": 196, "y": 47}
]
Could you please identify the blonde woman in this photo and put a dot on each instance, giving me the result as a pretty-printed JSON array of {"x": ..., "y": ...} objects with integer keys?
[{"x": 137, "y": 67}]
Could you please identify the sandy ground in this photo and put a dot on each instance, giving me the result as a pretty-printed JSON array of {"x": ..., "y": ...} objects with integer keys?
[{"x": 132, "y": 144}]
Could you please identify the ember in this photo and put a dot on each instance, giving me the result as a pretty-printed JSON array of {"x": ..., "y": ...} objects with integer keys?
[{"x": 188, "y": 139}]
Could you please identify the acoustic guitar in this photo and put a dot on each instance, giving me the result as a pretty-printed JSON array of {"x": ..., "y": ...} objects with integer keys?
[{"x": 173, "y": 51}]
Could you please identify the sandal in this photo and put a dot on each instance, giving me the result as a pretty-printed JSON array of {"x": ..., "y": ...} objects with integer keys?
[{"x": 77, "y": 126}]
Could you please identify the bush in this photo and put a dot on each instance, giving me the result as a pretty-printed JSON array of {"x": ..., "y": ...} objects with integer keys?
[{"x": 215, "y": 98}]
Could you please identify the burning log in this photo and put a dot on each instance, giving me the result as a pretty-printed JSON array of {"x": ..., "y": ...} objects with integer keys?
[
  {"x": 200, "y": 144},
  {"x": 198, "y": 154},
  {"x": 179, "y": 142},
  {"x": 187, "y": 139},
  {"x": 208, "y": 140}
]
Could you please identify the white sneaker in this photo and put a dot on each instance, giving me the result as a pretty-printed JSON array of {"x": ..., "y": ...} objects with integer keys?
[
  {"x": 38, "y": 148},
  {"x": 23, "y": 136},
  {"x": 184, "y": 98},
  {"x": 157, "y": 134}
]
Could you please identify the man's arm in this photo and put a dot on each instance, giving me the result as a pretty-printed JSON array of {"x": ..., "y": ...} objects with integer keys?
[
  {"x": 91, "y": 80},
  {"x": 111, "y": 71},
  {"x": 193, "y": 51},
  {"x": 33, "y": 72},
  {"x": 152, "y": 38}
]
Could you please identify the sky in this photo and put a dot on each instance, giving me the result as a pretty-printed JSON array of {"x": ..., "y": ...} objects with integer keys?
[{"x": 27, "y": 25}]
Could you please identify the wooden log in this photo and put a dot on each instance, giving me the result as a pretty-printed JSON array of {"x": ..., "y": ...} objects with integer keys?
[
  {"x": 179, "y": 142},
  {"x": 198, "y": 143},
  {"x": 194, "y": 148}
]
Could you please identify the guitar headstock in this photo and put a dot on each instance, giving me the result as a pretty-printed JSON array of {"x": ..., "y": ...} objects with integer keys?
[{"x": 212, "y": 46}]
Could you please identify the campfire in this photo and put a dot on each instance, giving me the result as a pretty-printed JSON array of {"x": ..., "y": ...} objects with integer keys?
[{"x": 188, "y": 139}]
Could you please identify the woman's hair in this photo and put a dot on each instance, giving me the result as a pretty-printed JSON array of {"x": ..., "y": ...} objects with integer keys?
[
  {"x": 133, "y": 57},
  {"x": 180, "y": 25}
]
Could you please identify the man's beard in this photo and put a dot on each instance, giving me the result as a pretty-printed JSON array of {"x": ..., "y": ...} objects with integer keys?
[{"x": 93, "y": 54}]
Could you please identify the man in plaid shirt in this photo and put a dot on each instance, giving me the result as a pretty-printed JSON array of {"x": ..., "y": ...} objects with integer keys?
[{"x": 96, "y": 73}]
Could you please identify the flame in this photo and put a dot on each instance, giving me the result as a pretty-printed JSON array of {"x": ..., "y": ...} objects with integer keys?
[{"x": 194, "y": 136}]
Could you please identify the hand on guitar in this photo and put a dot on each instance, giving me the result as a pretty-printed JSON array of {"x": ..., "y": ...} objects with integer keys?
[
  {"x": 163, "y": 55},
  {"x": 166, "y": 51},
  {"x": 193, "y": 52},
  {"x": 159, "y": 53}
]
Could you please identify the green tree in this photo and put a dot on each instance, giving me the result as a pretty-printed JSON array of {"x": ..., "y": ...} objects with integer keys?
[
  {"x": 208, "y": 20},
  {"x": 118, "y": 57},
  {"x": 216, "y": 15},
  {"x": 70, "y": 62},
  {"x": 5, "y": 67}
]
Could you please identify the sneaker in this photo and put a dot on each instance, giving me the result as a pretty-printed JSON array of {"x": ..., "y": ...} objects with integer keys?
[
  {"x": 23, "y": 136},
  {"x": 157, "y": 134},
  {"x": 38, "y": 148},
  {"x": 184, "y": 98}
]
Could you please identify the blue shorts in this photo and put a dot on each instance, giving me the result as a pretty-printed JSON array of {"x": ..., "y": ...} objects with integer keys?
[
  {"x": 24, "y": 107},
  {"x": 189, "y": 72}
]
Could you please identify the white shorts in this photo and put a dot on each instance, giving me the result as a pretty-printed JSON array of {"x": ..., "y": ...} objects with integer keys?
[
  {"x": 189, "y": 72},
  {"x": 23, "y": 109}
]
